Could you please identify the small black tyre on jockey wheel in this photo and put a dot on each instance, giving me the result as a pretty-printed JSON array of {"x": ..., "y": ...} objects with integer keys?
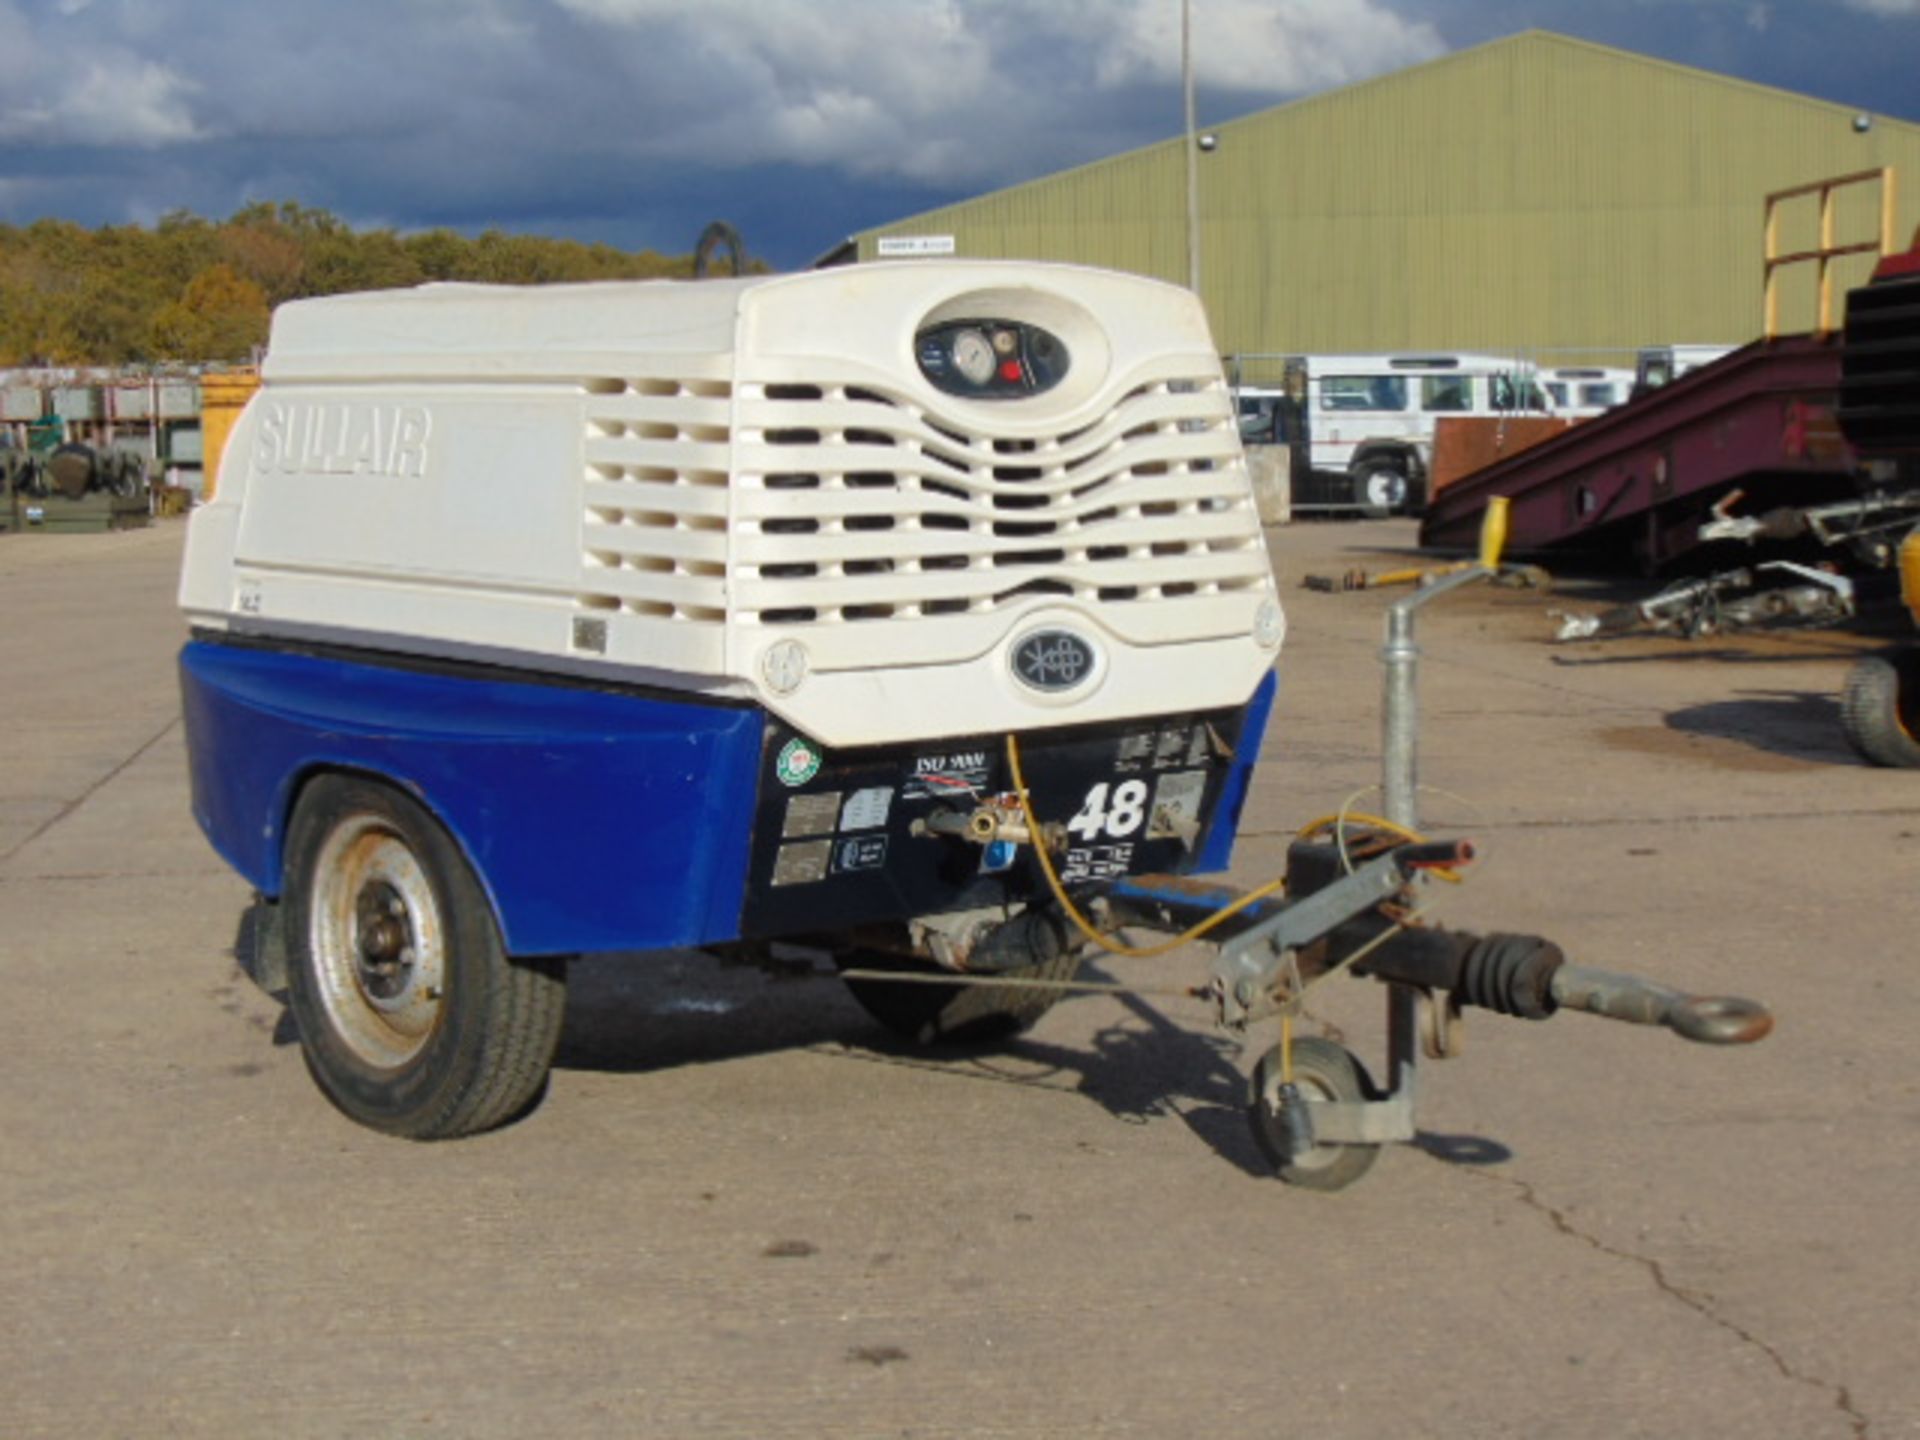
[{"x": 1322, "y": 1071}]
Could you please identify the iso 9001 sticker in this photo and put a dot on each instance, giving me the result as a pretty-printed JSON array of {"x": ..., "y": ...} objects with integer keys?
[{"x": 955, "y": 776}]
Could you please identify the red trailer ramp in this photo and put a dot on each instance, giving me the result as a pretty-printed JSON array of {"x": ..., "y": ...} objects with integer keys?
[{"x": 1642, "y": 477}]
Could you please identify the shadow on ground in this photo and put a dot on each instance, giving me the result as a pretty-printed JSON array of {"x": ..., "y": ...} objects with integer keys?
[
  {"x": 637, "y": 1013},
  {"x": 632, "y": 1014},
  {"x": 1802, "y": 725}
]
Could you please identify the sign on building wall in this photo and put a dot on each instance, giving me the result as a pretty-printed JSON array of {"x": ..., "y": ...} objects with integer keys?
[{"x": 899, "y": 245}]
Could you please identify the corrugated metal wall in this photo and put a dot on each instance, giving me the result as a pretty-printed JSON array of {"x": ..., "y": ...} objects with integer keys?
[{"x": 1538, "y": 193}]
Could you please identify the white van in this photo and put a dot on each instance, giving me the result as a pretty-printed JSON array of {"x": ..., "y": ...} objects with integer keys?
[
  {"x": 1361, "y": 426},
  {"x": 1583, "y": 391}
]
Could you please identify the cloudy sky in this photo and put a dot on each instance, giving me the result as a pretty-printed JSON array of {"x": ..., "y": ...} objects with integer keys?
[{"x": 636, "y": 121}]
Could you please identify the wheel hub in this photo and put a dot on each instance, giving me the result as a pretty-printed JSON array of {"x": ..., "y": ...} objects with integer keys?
[
  {"x": 378, "y": 940},
  {"x": 383, "y": 941}
]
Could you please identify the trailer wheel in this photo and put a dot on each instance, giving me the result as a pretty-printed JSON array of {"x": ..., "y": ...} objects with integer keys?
[
  {"x": 1880, "y": 710},
  {"x": 412, "y": 1017},
  {"x": 954, "y": 1014},
  {"x": 1381, "y": 486},
  {"x": 1322, "y": 1071}
]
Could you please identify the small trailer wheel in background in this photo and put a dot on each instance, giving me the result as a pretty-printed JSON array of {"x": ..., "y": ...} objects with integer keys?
[
  {"x": 412, "y": 1017},
  {"x": 1322, "y": 1071},
  {"x": 1880, "y": 709}
]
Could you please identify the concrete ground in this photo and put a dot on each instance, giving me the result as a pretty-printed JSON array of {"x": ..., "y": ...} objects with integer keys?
[{"x": 742, "y": 1210}]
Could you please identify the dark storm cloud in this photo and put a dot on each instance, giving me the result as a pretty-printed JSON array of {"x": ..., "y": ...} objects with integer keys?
[
  {"x": 1853, "y": 52},
  {"x": 634, "y": 121}
]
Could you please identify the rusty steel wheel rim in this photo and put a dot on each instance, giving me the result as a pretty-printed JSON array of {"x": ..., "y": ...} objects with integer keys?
[{"x": 378, "y": 942}]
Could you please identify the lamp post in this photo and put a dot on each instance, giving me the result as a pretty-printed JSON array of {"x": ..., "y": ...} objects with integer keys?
[{"x": 1193, "y": 148}]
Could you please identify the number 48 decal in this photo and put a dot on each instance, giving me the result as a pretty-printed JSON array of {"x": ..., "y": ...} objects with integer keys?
[{"x": 1116, "y": 817}]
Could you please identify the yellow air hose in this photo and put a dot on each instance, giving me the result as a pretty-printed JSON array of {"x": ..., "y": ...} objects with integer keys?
[
  {"x": 1072, "y": 911},
  {"x": 1220, "y": 916}
]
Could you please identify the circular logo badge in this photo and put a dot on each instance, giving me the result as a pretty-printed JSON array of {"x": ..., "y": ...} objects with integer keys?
[
  {"x": 799, "y": 762},
  {"x": 1052, "y": 660},
  {"x": 784, "y": 667}
]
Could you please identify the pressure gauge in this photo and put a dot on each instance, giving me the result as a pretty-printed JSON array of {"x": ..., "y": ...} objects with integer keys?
[
  {"x": 984, "y": 357},
  {"x": 973, "y": 357}
]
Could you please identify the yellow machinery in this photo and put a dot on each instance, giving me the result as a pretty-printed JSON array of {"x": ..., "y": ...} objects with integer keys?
[
  {"x": 1880, "y": 707},
  {"x": 222, "y": 397},
  {"x": 1880, "y": 414}
]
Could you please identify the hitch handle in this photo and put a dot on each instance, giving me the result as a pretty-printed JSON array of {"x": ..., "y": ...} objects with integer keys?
[
  {"x": 1433, "y": 855},
  {"x": 1709, "y": 1019}
]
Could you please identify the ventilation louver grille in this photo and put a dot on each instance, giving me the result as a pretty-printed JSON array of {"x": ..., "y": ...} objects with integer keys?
[
  {"x": 824, "y": 505},
  {"x": 658, "y": 464},
  {"x": 853, "y": 504}
]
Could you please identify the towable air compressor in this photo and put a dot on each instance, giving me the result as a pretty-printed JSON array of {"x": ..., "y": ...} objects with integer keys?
[{"x": 916, "y": 616}]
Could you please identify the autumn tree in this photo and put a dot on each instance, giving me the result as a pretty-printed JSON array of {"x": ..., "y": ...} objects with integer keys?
[
  {"x": 193, "y": 289},
  {"x": 220, "y": 315},
  {"x": 265, "y": 254}
]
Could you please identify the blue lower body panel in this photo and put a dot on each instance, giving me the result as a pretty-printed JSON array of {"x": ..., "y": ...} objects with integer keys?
[
  {"x": 594, "y": 819},
  {"x": 601, "y": 819},
  {"x": 1216, "y": 849}
]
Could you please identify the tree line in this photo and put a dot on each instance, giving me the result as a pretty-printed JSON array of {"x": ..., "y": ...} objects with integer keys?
[{"x": 190, "y": 289}]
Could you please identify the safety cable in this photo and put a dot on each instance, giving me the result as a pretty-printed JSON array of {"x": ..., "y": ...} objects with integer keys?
[{"x": 1340, "y": 819}]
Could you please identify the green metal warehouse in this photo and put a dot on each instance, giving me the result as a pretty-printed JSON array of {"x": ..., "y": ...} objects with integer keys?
[{"x": 1537, "y": 194}]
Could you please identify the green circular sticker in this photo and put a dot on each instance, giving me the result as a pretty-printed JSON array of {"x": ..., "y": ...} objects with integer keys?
[{"x": 799, "y": 762}]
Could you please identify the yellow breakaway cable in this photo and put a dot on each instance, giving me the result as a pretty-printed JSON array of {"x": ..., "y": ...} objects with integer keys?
[
  {"x": 1220, "y": 916},
  {"x": 1081, "y": 923},
  {"x": 1337, "y": 822}
]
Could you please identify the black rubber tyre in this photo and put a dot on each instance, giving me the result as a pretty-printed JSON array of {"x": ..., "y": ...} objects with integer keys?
[
  {"x": 72, "y": 469},
  {"x": 126, "y": 477},
  {"x": 260, "y": 946},
  {"x": 412, "y": 1017},
  {"x": 1880, "y": 709},
  {"x": 955, "y": 1014},
  {"x": 1382, "y": 487},
  {"x": 1322, "y": 1071}
]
